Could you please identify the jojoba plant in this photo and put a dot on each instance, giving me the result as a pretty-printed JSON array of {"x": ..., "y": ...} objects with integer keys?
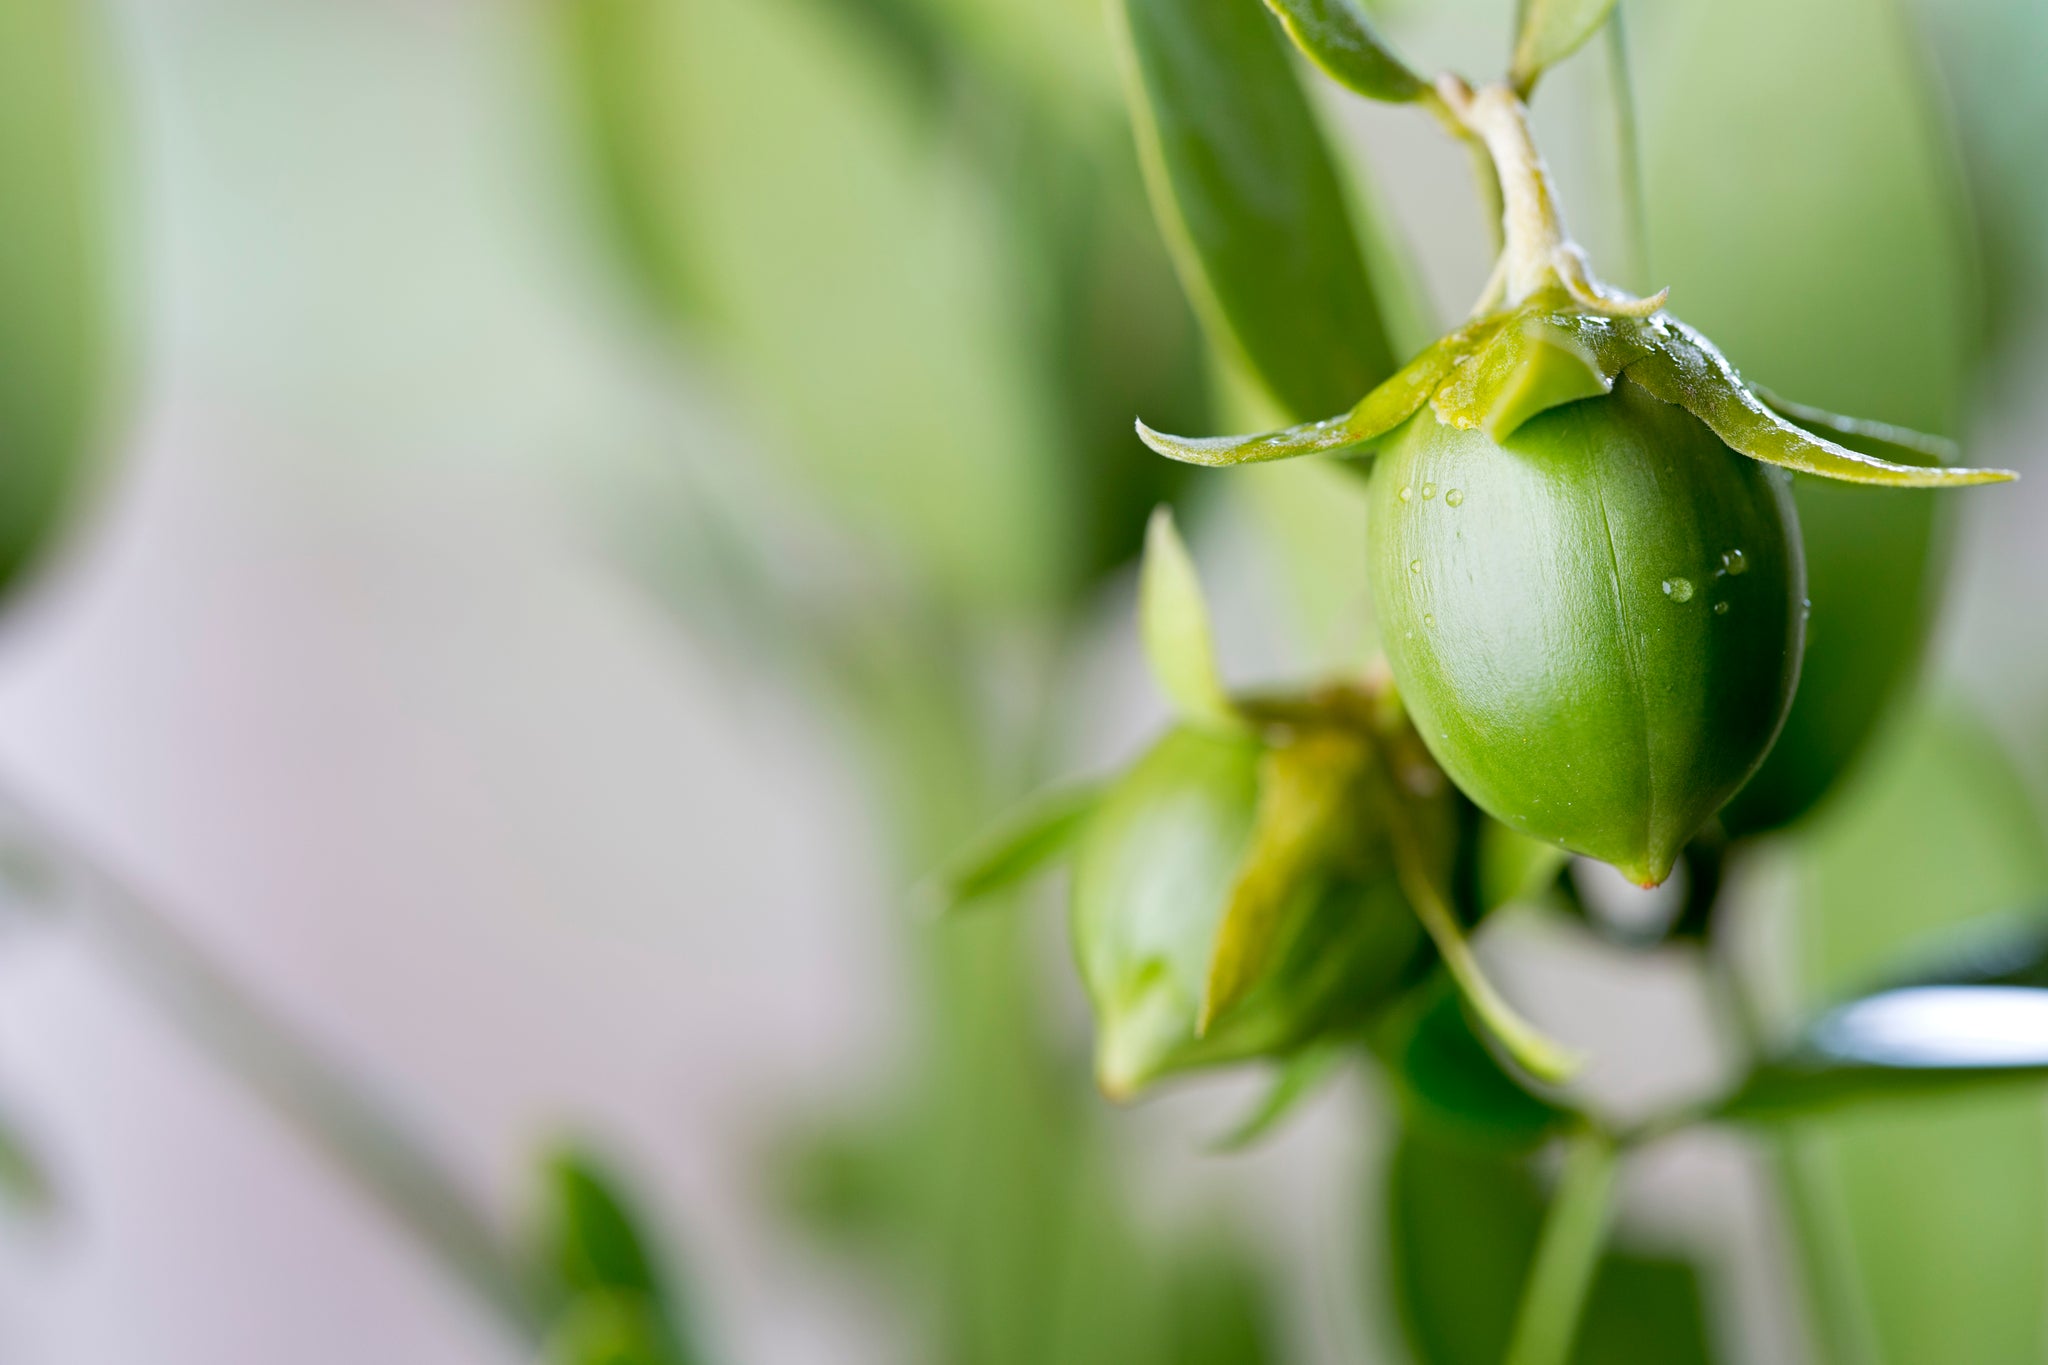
[{"x": 1594, "y": 595}]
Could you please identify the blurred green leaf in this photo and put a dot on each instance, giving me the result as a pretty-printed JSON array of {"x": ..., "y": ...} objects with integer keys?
[
  {"x": 1462, "y": 1226},
  {"x": 25, "y": 1185},
  {"x": 1339, "y": 37},
  {"x": 610, "y": 1329},
  {"x": 1024, "y": 841},
  {"x": 1550, "y": 31},
  {"x": 1513, "y": 867},
  {"x": 1939, "y": 834},
  {"x": 1449, "y": 1082},
  {"x": 1249, "y": 202},
  {"x": 1173, "y": 621},
  {"x": 618, "y": 1304},
  {"x": 57, "y": 337}
]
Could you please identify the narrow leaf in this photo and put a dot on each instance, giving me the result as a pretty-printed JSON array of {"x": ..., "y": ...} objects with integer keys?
[
  {"x": 1174, "y": 623},
  {"x": 1339, "y": 38},
  {"x": 1250, "y": 202},
  {"x": 1022, "y": 842},
  {"x": 1303, "y": 791},
  {"x": 1379, "y": 412},
  {"x": 1301, "y": 1076},
  {"x": 1686, "y": 369},
  {"x": 1551, "y": 31}
]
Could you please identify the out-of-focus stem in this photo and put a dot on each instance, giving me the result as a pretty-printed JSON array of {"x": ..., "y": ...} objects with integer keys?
[
  {"x": 288, "y": 1073},
  {"x": 1629, "y": 149},
  {"x": 1567, "y": 1256}
]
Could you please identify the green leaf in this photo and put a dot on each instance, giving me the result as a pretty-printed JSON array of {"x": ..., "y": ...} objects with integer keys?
[
  {"x": 1339, "y": 38},
  {"x": 1687, "y": 370},
  {"x": 1379, "y": 412},
  {"x": 609, "y": 1329},
  {"x": 1024, "y": 841},
  {"x": 1173, "y": 620},
  {"x": 1306, "y": 788},
  {"x": 1450, "y": 1082},
  {"x": 1938, "y": 833},
  {"x": 1462, "y": 1223},
  {"x": 1551, "y": 31},
  {"x": 1300, "y": 1076},
  {"x": 58, "y": 332},
  {"x": 618, "y": 1304},
  {"x": 25, "y": 1186},
  {"x": 1249, "y": 201}
]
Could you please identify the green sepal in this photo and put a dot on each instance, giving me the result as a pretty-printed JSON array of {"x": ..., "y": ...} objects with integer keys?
[
  {"x": 1551, "y": 31},
  {"x": 1543, "y": 357},
  {"x": 1173, "y": 622},
  {"x": 1685, "y": 368},
  {"x": 1337, "y": 36},
  {"x": 1305, "y": 791},
  {"x": 1379, "y": 412},
  {"x": 1300, "y": 1076},
  {"x": 1909, "y": 447},
  {"x": 1024, "y": 841}
]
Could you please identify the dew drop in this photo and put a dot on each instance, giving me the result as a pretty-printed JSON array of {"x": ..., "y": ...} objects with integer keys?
[
  {"x": 1735, "y": 562},
  {"x": 1429, "y": 620},
  {"x": 1720, "y": 608},
  {"x": 1452, "y": 497},
  {"x": 1428, "y": 491},
  {"x": 1414, "y": 566},
  {"x": 1407, "y": 493},
  {"x": 1678, "y": 589}
]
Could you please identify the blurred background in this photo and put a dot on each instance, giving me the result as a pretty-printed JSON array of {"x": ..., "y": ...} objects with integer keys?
[{"x": 590, "y": 500}]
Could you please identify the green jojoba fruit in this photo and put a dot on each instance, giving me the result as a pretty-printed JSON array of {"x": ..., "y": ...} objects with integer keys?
[
  {"x": 1207, "y": 823},
  {"x": 1594, "y": 622}
]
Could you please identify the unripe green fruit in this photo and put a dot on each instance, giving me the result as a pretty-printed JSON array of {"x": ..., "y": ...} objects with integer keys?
[
  {"x": 1152, "y": 878},
  {"x": 1595, "y": 624}
]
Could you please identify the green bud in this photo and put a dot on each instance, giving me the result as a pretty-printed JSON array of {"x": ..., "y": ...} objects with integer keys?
[
  {"x": 1595, "y": 620},
  {"x": 1232, "y": 899}
]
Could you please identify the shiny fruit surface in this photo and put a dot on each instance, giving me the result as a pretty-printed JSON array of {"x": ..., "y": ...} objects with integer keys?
[{"x": 1596, "y": 624}]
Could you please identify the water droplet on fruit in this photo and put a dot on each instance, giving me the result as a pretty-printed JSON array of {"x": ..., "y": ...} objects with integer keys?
[
  {"x": 1429, "y": 620},
  {"x": 1428, "y": 491},
  {"x": 1406, "y": 492},
  {"x": 1452, "y": 497},
  {"x": 1735, "y": 562},
  {"x": 1720, "y": 608},
  {"x": 1678, "y": 589}
]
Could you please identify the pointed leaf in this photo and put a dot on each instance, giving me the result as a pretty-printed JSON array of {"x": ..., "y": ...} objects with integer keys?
[
  {"x": 1250, "y": 202},
  {"x": 1379, "y": 412},
  {"x": 1685, "y": 369},
  {"x": 1023, "y": 841},
  {"x": 1301, "y": 1076},
  {"x": 1304, "y": 791},
  {"x": 1339, "y": 38},
  {"x": 1174, "y": 622},
  {"x": 1551, "y": 31}
]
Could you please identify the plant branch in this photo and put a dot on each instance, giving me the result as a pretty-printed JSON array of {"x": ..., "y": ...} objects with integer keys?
[
  {"x": 311, "y": 1092},
  {"x": 1567, "y": 1255}
]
